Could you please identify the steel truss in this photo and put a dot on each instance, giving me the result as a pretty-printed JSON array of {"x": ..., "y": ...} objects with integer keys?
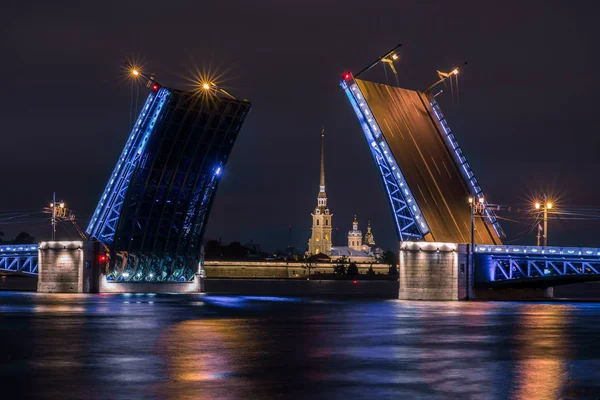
[
  {"x": 104, "y": 221},
  {"x": 464, "y": 167},
  {"x": 410, "y": 224},
  {"x": 524, "y": 262},
  {"x": 19, "y": 258}
]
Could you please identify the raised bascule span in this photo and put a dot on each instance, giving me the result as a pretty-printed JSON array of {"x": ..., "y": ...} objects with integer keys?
[
  {"x": 426, "y": 176},
  {"x": 154, "y": 208}
]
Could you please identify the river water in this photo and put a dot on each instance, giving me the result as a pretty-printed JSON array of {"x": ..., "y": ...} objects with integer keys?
[{"x": 235, "y": 347}]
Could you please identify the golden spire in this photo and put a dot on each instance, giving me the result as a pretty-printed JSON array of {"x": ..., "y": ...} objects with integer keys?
[{"x": 322, "y": 183}]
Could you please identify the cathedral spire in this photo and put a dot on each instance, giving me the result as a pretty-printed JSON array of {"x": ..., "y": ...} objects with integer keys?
[
  {"x": 320, "y": 239},
  {"x": 322, "y": 182}
]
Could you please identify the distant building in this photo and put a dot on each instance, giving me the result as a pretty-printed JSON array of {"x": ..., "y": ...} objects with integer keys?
[
  {"x": 320, "y": 239},
  {"x": 358, "y": 249},
  {"x": 369, "y": 239},
  {"x": 355, "y": 237}
]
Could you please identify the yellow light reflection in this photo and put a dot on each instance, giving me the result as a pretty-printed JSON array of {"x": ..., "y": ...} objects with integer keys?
[
  {"x": 541, "y": 371},
  {"x": 208, "y": 358}
]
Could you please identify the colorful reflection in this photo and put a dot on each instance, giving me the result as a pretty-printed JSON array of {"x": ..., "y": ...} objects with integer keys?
[{"x": 542, "y": 351}]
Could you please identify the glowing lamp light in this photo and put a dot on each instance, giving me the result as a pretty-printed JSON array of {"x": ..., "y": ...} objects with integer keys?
[
  {"x": 155, "y": 87},
  {"x": 347, "y": 76},
  {"x": 537, "y": 206},
  {"x": 455, "y": 72},
  {"x": 135, "y": 72},
  {"x": 206, "y": 86},
  {"x": 218, "y": 171},
  {"x": 549, "y": 206},
  {"x": 102, "y": 258},
  {"x": 395, "y": 56},
  {"x": 470, "y": 200}
]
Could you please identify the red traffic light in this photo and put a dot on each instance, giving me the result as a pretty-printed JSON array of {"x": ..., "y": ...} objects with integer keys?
[
  {"x": 102, "y": 258},
  {"x": 347, "y": 76},
  {"x": 155, "y": 87}
]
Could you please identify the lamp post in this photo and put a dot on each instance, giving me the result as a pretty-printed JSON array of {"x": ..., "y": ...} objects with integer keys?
[
  {"x": 547, "y": 206},
  {"x": 58, "y": 210},
  {"x": 474, "y": 208}
]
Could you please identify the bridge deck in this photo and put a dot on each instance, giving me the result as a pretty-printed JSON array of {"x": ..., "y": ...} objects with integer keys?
[{"x": 405, "y": 119}]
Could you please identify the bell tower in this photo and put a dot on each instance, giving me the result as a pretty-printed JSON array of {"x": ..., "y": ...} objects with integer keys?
[
  {"x": 355, "y": 237},
  {"x": 320, "y": 239}
]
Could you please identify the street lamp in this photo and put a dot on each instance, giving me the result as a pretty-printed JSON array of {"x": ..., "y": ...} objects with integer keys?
[
  {"x": 474, "y": 208},
  {"x": 547, "y": 205}
]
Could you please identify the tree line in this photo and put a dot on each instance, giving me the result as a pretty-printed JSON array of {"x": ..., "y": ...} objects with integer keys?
[{"x": 21, "y": 238}]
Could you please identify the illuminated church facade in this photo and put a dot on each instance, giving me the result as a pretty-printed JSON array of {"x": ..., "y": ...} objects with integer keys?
[{"x": 359, "y": 249}]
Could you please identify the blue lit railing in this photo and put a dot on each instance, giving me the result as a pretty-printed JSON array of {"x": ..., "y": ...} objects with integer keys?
[
  {"x": 19, "y": 258},
  {"x": 410, "y": 224},
  {"x": 104, "y": 220},
  {"x": 522, "y": 262},
  {"x": 539, "y": 250},
  {"x": 464, "y": 167}
]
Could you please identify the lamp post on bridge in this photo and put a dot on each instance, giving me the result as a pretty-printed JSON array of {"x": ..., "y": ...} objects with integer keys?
[
  {"x": 58, "y": 211},
  {"x": 475, "y": 207},
  {"x": 547, "y": 206}
]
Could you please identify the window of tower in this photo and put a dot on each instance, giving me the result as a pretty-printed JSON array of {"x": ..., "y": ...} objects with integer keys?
[
  {"x": 326, "y": 223},
  {"x": 317, "y": 237},
  {"x": 317, "y": 222},
  {"x": 326, "y": 237}
]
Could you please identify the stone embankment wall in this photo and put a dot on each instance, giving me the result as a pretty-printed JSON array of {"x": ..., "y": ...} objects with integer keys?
[{"x": 276, "y": 269}]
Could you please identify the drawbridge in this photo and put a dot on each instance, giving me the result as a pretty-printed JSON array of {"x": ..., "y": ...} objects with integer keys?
[{"x": 426, "y": 176}]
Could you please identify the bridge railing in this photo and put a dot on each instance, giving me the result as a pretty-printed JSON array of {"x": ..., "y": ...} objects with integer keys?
[
  {"x": 19, "y": 258},
  {"x": 505, "y": 263}
]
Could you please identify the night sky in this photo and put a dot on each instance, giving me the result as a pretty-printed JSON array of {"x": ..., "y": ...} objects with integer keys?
[{"x": 526, "y": 117}]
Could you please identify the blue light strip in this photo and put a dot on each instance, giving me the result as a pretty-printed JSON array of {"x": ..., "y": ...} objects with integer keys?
[
  {"x": 464, "y": 167},
  {"x": 539, "y": 250},
  {"x": 105, "y": 218},
  {"x": 19, "y": 248},
  {"x": 410, "y": 223}
]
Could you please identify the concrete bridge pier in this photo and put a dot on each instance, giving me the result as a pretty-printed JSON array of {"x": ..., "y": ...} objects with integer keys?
[
  {"x": 442, "y": 271},
  {"x": 68, "y": 267},
  {"x": 433, "y": 271}
]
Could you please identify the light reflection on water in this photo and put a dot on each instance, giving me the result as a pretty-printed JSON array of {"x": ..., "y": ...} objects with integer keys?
[
  {"x": 208, "y": 347},
  {"x": 542, "y": 354}
]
